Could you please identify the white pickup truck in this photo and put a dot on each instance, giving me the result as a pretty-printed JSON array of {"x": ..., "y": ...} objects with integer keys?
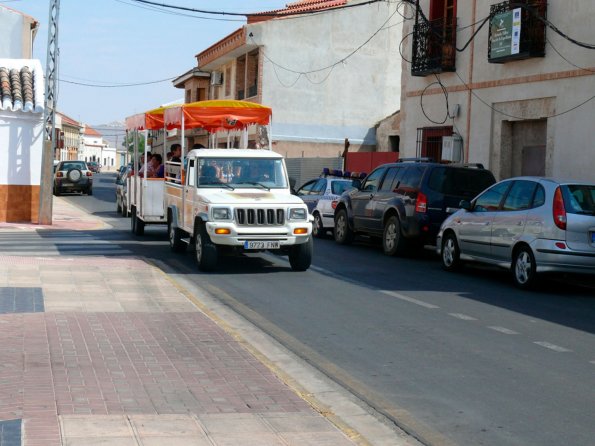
[{"x": 237, "y": 200}]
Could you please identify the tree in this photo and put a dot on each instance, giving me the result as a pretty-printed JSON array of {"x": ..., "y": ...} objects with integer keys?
[{"x": 129, "y": 142}]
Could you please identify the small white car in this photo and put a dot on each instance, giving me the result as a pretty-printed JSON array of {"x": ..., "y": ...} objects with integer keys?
[{"x": 321, "y": 196}]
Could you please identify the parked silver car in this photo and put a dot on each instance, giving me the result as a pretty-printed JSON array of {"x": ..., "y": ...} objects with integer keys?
[{"x": 528, "y": 224}]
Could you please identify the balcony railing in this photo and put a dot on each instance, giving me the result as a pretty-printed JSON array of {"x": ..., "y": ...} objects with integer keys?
[
  {"x": 532, "y": 35},
  {"x": 434, "y": 47}
]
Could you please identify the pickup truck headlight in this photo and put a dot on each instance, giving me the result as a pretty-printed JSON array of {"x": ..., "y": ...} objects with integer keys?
[
  {"x": 221, "y": 214},
  {"x": 298, "y": 214}
]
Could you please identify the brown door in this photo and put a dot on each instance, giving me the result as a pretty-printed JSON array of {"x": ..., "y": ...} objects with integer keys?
[{"x": 533, "y": 162}]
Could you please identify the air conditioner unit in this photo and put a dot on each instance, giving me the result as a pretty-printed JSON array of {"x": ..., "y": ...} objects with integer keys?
[
  {"x": 452, "y": 148},
  {"x": 216, "y": 78}
]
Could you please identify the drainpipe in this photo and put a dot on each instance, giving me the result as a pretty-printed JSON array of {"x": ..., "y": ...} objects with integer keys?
[{"x": 469, "y": 95}]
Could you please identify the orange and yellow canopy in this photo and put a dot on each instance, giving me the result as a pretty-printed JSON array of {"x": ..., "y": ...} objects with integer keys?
[{"x": 217, "y": 115}]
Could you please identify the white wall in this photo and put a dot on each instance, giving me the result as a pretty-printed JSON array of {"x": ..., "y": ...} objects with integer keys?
[
  {"x": 329, "y": 106},
  {"x": 11, "y": 38},
  {"x": 21, "y": 139}
]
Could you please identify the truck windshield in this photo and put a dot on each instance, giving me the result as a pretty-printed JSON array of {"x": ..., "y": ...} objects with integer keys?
[{"x": 242, "y": 173}]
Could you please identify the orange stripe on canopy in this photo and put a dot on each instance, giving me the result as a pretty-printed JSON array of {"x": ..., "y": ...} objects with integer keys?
[{"x": 218, "y": 115}]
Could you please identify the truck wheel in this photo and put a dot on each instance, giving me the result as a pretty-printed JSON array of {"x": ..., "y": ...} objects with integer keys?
[
  {"x": 139, "y": 226},
  {"x": 175, "y": 238},
  {"x": 206, "y": 250},
  {"x": 300, "y": 256},
  {"x": 124, "y": 209},
  {"x": 343, "y": 233},
  {"x": 133, "y": 219}
]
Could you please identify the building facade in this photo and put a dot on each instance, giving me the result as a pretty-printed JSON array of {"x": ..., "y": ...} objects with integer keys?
[
  {"x": 492, "y": 82},
  {"x": 94, "y": 148},
  {"x": 329, "y": 77},
  {"x": 68, "y": 138}
]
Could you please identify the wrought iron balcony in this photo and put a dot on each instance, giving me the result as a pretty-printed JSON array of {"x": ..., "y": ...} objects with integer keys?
[
  {"x": 532, "y": 30},
  {"x": 434, "y": 47}
]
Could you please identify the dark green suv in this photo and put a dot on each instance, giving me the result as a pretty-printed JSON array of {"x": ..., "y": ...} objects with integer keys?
[
  {"x": 406, "y": 202},
  {"x": 73, "y": 176}
]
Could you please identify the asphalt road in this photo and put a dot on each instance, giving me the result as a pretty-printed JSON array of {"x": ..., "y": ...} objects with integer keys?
[{"x": 452, "y": 358}]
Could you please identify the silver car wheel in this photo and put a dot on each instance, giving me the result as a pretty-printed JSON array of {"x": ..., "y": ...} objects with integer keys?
[
  {"x": 523, "y": 267},
  {"x": 448, "y": 252}
]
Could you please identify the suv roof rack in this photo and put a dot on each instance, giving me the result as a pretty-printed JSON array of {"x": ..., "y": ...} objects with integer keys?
[
  {"x": 476, "y": 165},
  {"x": 415, "y": 160}
]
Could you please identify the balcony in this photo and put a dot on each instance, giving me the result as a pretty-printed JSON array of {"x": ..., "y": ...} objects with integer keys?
[
  {"x": 503, "y": 45},
  {"x": 434, "y": 47}
]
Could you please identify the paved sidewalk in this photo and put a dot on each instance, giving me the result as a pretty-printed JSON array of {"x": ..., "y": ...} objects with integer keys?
[{"x": 109, "y": 351}]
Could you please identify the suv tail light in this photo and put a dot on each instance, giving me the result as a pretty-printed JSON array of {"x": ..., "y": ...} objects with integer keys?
[
  {"x": 559, "y": 210},
  {"x": 89, "y": 173},
  {"x": 334, "y": 204},
  {"x": 421, "y": 205},
  {"x": 59, "y": 174}
]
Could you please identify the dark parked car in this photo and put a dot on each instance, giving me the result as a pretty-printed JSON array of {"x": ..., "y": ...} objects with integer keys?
[
  {"x": 406, "y": 202},
  {"x": 73, "y": 176}
]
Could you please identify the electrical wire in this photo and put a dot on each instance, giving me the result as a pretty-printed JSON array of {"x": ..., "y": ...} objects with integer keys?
[
  {"x": 180, "y": 14},
  {"x": 550, "y": 25},
  {"x": 285, "y": 13},
  {"x": 329, "y": 67},
  {"x": 521, "y": 118},
  {"x": 566, "y": 59},
  {"x": 136, "y": 84}
]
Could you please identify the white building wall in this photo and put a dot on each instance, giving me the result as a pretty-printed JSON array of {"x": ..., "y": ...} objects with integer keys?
[
  {"x": 21, "y": 138},
  {"x": 534, "y": 88},
  {"x": 330, "y": 105},
  {"x": 11, "y": 41}
]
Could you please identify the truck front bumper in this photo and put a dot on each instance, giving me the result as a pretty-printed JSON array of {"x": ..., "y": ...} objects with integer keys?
[{"x": 290, "y": 234}]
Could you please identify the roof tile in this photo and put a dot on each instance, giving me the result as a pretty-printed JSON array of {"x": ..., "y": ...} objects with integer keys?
[{"x": 18, "y": 84}]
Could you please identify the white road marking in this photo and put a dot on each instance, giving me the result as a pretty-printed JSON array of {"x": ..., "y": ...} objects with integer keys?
[
  {"x": 504, "y": 330},
  {"x": 554, "y": 347},
  {"x": 592, "y": 362},
  {"x": 409, "y": 299},
  {"x": 462, "y": 316}
]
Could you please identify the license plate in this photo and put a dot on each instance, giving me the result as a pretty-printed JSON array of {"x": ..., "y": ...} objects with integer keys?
[
  {"x": 66, "y": 184},
  {"x": 262, "y": 245}
]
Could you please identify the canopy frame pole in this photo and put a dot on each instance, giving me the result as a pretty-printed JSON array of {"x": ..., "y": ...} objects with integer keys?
[
  {"x": 270, "y": 134},
  {"x": 183, "y": 144}
]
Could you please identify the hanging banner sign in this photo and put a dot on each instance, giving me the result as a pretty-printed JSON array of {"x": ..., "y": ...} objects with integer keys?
[{"x": 505, "y": 34}]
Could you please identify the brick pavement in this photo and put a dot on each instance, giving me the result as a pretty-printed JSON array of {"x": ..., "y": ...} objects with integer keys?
[{"x": 114, "y": 355}]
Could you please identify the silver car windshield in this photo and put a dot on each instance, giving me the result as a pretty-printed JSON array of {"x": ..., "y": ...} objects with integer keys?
[{"x": 261, "y": 173}]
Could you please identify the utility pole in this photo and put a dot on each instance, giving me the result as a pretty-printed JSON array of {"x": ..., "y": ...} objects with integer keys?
[{"x": 49, "y": 117}]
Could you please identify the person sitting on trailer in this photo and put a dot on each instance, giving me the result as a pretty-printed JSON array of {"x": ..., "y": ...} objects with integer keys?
[
  {"x": 146, "y": 168},
  {"x": 158, "y": 169}
]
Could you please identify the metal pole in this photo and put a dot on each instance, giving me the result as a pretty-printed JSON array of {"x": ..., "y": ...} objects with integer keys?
[{"x": 49, "y": 118}]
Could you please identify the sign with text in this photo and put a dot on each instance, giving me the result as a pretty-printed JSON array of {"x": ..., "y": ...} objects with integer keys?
[{"x": 505, "y": 35}]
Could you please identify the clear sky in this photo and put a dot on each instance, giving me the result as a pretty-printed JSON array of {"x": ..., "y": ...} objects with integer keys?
[{"x": 112, "y": 42}]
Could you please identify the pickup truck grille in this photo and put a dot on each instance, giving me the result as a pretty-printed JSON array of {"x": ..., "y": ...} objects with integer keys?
[{"x": 260, "y": 217}]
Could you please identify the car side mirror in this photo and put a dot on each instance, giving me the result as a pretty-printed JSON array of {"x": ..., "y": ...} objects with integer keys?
[
  {"x": 357, "y": 184},
  {"x": 464, "y": 204}
]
